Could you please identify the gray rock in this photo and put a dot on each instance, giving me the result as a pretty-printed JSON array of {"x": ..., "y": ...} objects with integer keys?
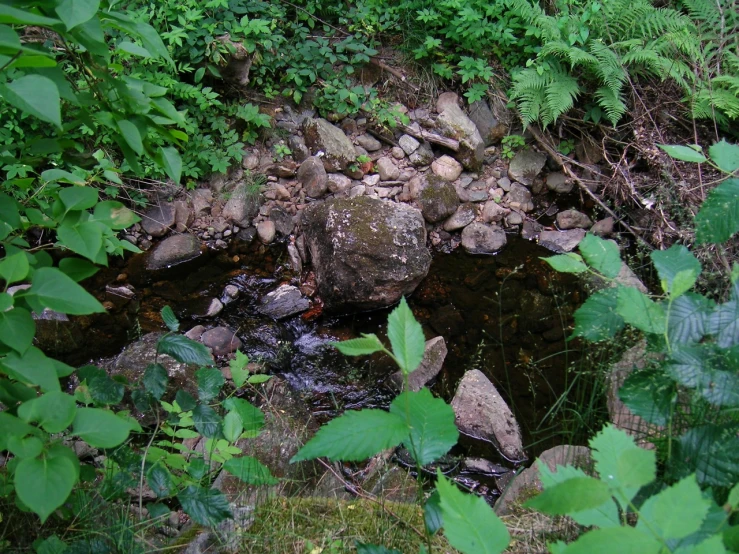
[
  {"x": 201, "y": 201},
  {"x": 298, "y": 148},
  {"x": 557, "y": 182},
  {"x": 357, "y": 190},
  {"x": 230, "y": 292},
  {"x": 477, "y": 191},
  {"x": 526, "y": 165},
  {"x": 173, "y": 250},
  {"x": 242, "y": 205},
  {"x": 266, "y": 231},
  {"x": 514, "y": 218},
  {"x": 519, "y": 197},
  {"x": 220, "y": 340},
  {"x": 483, "y": 466},
  {"x": 561, "y": 241},
  {"x": 453, "y": 123},
  {"x": 366, "y": 253},
  {"x": 408, "y": 144},
  {"x": 320, "y": 135},
  {"x": 464, "y": 215},
  {"x": 296, "y": 261},
  {"x": 572, "y": 219},
  {"x": 397, "y": 153},
  {"x": 283, "y": 222},
  {"x": 479, "y": 238},
  {"x": 156, "y": 221},
  {"x": 369, "y": 143},
  {"x": 338, "y": 183},
  {"x": 250, "y": 161},
  {"x": 438, "y": 199},
  {"x": 283, "y": 302},
  {"x": 504, "y": 183},
  {"x": 447, "y": 168},
  {"x": 480, "y": 412},
  {"x": 422, "y": 156},
  {"x": 433, "y": 360},
  {"x": 387, "y": 169},
  {"x": 491, "y": 130},
  {"x": 603, "y": 228},
  {"x": 183, "y": 216},
  {"x": 493, "y": 212},
  {"x": 215, "y": 307},
  {"x": 531, "y": 230},
  {"x": 312, "y": 175}
]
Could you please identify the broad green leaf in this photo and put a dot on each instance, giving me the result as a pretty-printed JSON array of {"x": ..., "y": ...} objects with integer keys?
[
  {"x": 105, "y": 390},
  {"x": 205, "y": 506},
  {"x": 207, "y": 421},
  {"x": 470, "y": 525},
  {"x": 431, "y": 423},
  {"x": 232, "y": 427},
  {"x": 50, "y": 288},
  {"x": 6, "y": 301},
  {"x": 76, "y": 12},
  {"x": 51, "y": 545},
  {"x": 13, "y": 426},
  {"x": 160, "y": 480},
  {"x": 675, "y": 512},
  {"x": 252, "y": 417},
  {"x": 597, "y": 318},
  {"x": 688, "y": 318},
  {"x": 718, "y": 217},
  {"x": 250, "y": 470},
  {"x": 614, "y": 540},
  {"x": 43, "y": 484},
  {"x": 9, "y": 211},
  {"x": 170, "y": 160},
  {"x": 724, "y": 321},
  {"x": 671, "y": 263},
  {"x": 607, "y": 448},
  {"x": 239, "y": 373},
  {"x": 78, "y": 269},
  {"x": 14, "y": 268},
  {"x": 199, "y": 74},
  {"x": 135, "y": 49},
  {"x": 567, "y": 263},
  {"x": 51, "y": 175},
  {"x": 650, "y": 394},
  {"x": 355, "y": 436},
  {"x": 35, "y": 95},
  {"x": 54, "y": 411},
  {"x": 602, "y": 255},
  {"x": 185, "y": 350},
  {"x": 374, "y": 549},
  {"x": 637, "y": 467},
  {"x": 8, "y": 14},
  {"x": 713, "y": 545},
  {"x": 683, "y": 153},
  {"x": 28, "y": 447},
  {"x": 100, "y": 428},
  {"x": 17, "y": 329},
  {"x": 406, "y": 337},
  {"x": 170, "y": 320},
  {"x": 573, "y": 495},
  {"x": 210, "y": 381},
  {"x": 258, "y": 379},
  {"x": 367, "y": 344},
  {"x": 734, "y": 497},
  {"x": 78, "y": 198},
  {"x": 131, "y": 135},
  {"x": 155, "y": 380},
  {"x": 432, "y": 517},
  {"x": 640, "y": 311},
  {"x": 725, "y": 156},
  {"x": 711, "y": 451},
  {"x": 185, "y": 401},
  {"x": 33, "y": 368},
  {"x": 115, "y": 215},
  {"x": 709, "y": 370},
  {"x": 86, "y": 239}
]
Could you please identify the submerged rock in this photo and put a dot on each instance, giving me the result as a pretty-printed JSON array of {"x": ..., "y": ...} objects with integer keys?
[
  {"x": 480, "y": 412},
  {"x": 431, "y": 364},
  {"x": 366, "y": 252},
  {"x": 283, "y": 302}
]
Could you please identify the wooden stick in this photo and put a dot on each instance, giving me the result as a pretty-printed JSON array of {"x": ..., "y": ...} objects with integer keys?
[
  {"x": 431, "y": 137},
  {"x": 394, "y": 72}
]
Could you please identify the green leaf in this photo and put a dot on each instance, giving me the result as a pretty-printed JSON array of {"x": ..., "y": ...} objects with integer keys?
[
  {"x": 76, "y": 12},
  {"x": 32, "y": 367},
  {"x": 13, "y": 427},
  {"x": 78, "y": 198},
  {"x": 675, "y": 512},
  {"x": 673, "y": 262},
  {"x": 43, "y": 484},
  {"x": 355, "y": 436},
  {"x": 637, "y": 467},
  {"x": 171, "y": 162},
  {"x": 17, "y": 329},
  {"x": 725, "y": 156},
  {"x": 170, "y": 320},
  {"x": 205, "y": 506},
  {"x": 184, "y": 350},
  {"x": 374, "y": 549},
  {"x": 250, "y": 470},
  {"x": 185, "y": 401},
  {"x": 614, "y": 540},
  {"x": 86, "y": 239},
  {"x": 567, "y": 263},
  {"x": 239, "y": 373},
  {"x": 689, "y": 318},
  {"x": 131, "y": 135},
  {"x": 711, "y": 451},
  {"x": 640, "y": 311},
  {"x": 650, "y": 394},
  {"x": 78, "y": 269},
  {"x": 207, "y": 421},
  {"x": 29, "y": 447},
  {"x": 258, "y": 379},
  {"x": 155, "y": 380},
  {"x": 160, "y": 480},
  {"x": 573, "y": 495},
  {"x": 210, "y": 381},
  {"x": 100, "y": 428},
  {"x": 718, "y": 217},
  {"x": 199, "y": 75},
  {"x": 711, "y": 371},
  {"x": 50, "y": 288},
  {"x": 367, "y": 344},
  {"x": 406, "y": 337},
  {"x": 734, "y": 497},
  {"x": 9, "y": 211},
  {"x": 470, "y": 525},
  {"x": 232, "y": 427},
  {"x": 51, "y": 545},
  {"x": 9, "y": 14},
  {"x": 432, "y": 516},
  {"x": 105, "y": 390},
  {"x": 115, "y": 215},
  {"x": 607, "y": 447},
  {"x": 35, "y": 95},
  {"x": 602, "y": 255},
  {"x": 252, "y": 417},
  {"x": 135, "y": 49},
  {"x": 597, "y": 318},
  {"x": 53, "y": 175},
  {"x": 14, "y": 268},
  {"x": 54, "y": 411},
  {"x": 683, "y": 153},
  {"x": 431, "y": 421},
  {"x": 713, "y": 545}
]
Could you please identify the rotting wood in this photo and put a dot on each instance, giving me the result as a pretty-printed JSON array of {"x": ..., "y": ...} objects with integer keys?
[{"x": 446, "y": 142}]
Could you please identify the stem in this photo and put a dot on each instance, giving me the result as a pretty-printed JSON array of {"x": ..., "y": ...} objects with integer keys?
[{"x": 143, "y": 463}]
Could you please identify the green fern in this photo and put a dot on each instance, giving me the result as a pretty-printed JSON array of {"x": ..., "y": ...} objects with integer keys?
[{"x": 544, "y": 93}]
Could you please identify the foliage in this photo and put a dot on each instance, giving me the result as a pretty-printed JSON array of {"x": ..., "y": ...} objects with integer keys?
[{"x": 510, "y": 144}]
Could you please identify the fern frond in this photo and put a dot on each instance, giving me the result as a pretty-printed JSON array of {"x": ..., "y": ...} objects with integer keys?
[
  {"x": 546, "y": 96},
  {"x": 611, "y": 103},
  {"x": 610, "y": 69}
]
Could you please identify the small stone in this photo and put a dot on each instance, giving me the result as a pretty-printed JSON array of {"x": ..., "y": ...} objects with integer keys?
[
  {"x": 250, "y": 161},
  {"x": 493, "y": 212},
  {"x": 371, "y": 180},
  {"x": 281, "y": 192},
  {"x": 504, "y": 183},
  {"x": 572, "y": 219},
  {"x": 283, "y": 302},
  {"x": 227, "y": 233},
  {"x": 514, "y": 218},
  {"x": 561, "y": 241},
  {"x": 422, "y": 156},
  {"x": 338, "y": 183},
  {"x": 357, "y": 190},
  {"x": 603, "y": 228},
  {"x": 195, "y": 333},
  {"x": 526, "y": 165},
  {"x": 214, "y": 308},
  {"x": 558, "y": 183},
  {"x": 266, "y": 231},
  {"x": 369, "y": 143},
  {"x": 464, "y": 215},
  {"x": 479, "y": 238},
  {"x": 531, "y": 230},
  {"x": 231, "y": 291},
  {"x": 519, "y": 197},
  {"x": 387, "y": 169},
  {"x": 312, "y": 175},
  {"x": 220, "y": 340},
  {"x": 447, "y": 168},
  {"x": 397, "y": 153},
  {"x": 408, "y": 144},
  {"x": 156, "y": 221}
]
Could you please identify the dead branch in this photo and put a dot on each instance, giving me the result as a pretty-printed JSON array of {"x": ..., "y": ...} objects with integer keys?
[{"x": 431, "y": 137}]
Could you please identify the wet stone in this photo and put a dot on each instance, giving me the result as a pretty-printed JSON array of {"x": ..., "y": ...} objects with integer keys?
[
  {"x": 283, "y": 302},
  {"x": 369, "y": 143},
  {"x": 464, "y": 215},
  {"x": 220, "y": 340},
  {"x": 173, "y": 250},
  {"x": 479, "y": 238},
  {"x": 156, "y": 221},
  {"x": 561, "y": 241}
]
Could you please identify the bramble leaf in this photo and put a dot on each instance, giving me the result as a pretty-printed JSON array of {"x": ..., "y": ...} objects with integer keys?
[
  {"x": 567, "y": 263},
  {"x": 597, "y": 318},
  {"x": 406, "y": 337},
  {"x": 718, "y": 217},
  {"x": 602, "y": 255}
]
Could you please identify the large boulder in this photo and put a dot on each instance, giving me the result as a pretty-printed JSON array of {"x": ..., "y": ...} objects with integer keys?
[
  {"x": 338, "y": 150},
  {"x": 366, "y": 252},
  {"x": 481, "y": 412},
  {"x": 454, "y": 123}
]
